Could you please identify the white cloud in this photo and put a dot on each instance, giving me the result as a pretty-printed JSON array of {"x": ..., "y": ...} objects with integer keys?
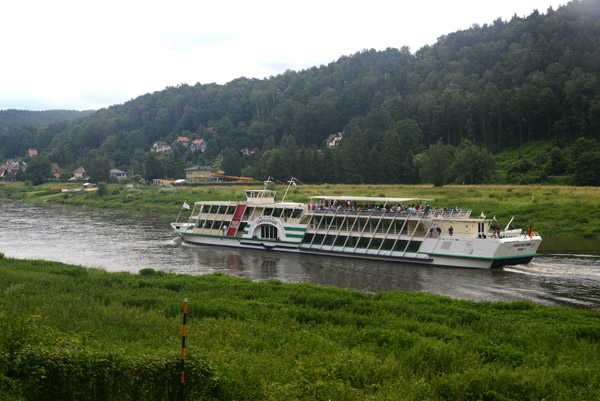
[{"x": 84, "y": 54}]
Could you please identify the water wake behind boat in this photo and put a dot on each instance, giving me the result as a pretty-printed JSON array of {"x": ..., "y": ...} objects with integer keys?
[{"x": 561, "y": 265}]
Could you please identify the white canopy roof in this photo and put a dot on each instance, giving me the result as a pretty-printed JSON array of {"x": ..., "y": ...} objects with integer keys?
[{"x": 369, "y": 199}]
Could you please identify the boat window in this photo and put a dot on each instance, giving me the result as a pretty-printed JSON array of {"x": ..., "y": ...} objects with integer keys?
[
  {"x": 277, "y": 212},
  {"x": 268, "y": 231},
  {"x": 328, "y": 240},
  {"x": 388, "y": 244},
  {"x": 268, "y": 211},
  {"x": 363, "y": 242},
  {"x": 318, "y": 239},
  {"x": 340, "y": 240},
  {"x": 296, "y": 213}
]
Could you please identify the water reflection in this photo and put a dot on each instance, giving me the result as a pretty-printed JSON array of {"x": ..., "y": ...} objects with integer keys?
[{"x": 125, "y": 241}]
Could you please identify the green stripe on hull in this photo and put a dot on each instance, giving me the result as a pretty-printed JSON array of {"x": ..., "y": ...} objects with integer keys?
[
  {"x": 531, "y": 255},
  {"x": 294, "y": 235},
  {"x": 295, "y": 229}
]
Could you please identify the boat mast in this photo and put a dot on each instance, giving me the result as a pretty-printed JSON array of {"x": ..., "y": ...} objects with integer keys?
[
  {"x": 290, "y": 183},
  {"x": 267, "y": 183}
]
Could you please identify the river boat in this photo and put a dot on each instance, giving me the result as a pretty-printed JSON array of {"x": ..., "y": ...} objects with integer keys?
[{"x": 406, "y": 230}]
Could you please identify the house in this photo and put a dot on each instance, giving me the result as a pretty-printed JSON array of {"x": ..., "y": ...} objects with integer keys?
[
  {"x": 55, "y": 170},
  {"x": 11, "y": 167},
  {"x": 80, "y": 174},
  {"x": 32, "y": 152},
  {"x": 198, "y": 144},
  {"x": 248, "y": 152},
  {"x": 118, "y": 174},
  {"x": 160, "y": 147},
  {"x": 198, "y": 174},
  {"x": 333, "y": 140},
  {"x": 182, "y": 139}
]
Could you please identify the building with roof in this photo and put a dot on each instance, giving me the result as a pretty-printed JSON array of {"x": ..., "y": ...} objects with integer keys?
[
  {"x": 198, "y": 174},
  {"x": 198, "y": 144},
  {"x": 55, "y": 170},
  {"x": 333, "y": 140},
  {"x": 160, "y": 146},
  {"x": 80, "y": 174},
  {"x": 118, "y": 174}
]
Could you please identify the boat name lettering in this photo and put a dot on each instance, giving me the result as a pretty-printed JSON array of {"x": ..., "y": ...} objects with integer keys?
[{"x": 267, "y": 218}]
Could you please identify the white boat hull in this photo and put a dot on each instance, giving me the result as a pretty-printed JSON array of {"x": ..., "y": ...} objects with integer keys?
[{"x": 474, "y": 253}]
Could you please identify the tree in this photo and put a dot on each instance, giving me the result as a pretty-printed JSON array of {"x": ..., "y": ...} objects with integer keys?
[
  {"x": 20, "y": 175},
  {"x": 472, "y": 164},
  {"x": 152, "y": 167},
  {"x": 391, "y": 157},
  {"x": 586, "y": 165},
  {"x": 97, "y": 166},
  {"x": 39, "y": 170},
  {"x": 558, "y": 164},
  {"x": 231, "y": 162},
  {"x": 587, "y": 169},
  {"x": 436, "y": 161},
  {"x": 354, "y": 158}
]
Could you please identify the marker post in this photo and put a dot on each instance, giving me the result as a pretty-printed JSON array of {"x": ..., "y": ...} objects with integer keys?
[{"x": 185, "y": 303}]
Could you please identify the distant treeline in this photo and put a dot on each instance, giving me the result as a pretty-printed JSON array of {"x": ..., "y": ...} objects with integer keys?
[
  {"x": 497, "y": 86},
  {"x": 12, "y": 118}
]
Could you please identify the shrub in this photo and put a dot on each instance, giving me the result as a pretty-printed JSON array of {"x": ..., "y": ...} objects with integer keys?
[
  {"x": 102, "y": 188},
  {"x": 79, "y": 374},
  {"x": 148, "y": 271}
]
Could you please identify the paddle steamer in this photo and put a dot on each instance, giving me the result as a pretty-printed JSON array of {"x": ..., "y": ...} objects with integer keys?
[{"x": 405, "y": 230}]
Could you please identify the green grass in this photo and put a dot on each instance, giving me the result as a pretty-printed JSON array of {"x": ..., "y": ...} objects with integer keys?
[
  {"x": 273, "y": 341},
  {"x": 553, "y": 210}
]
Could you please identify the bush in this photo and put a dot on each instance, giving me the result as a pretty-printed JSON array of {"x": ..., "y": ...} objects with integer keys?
[
  {"x": 102, "y": 189},
  {"x": 79, "y": 374}
]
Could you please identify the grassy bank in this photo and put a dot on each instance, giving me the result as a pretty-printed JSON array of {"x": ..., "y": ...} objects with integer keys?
[
  {"x": 65, "y": 329},
  {"x": 553, "y": 210}
]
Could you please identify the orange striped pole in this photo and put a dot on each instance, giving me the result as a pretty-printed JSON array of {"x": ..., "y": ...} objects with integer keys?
[{"x": 185, "y": 303}]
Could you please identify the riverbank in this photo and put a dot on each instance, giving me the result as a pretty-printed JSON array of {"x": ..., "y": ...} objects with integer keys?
[
  {"x": 558, "y": 211},
  {"x": 99, "y": 333}
]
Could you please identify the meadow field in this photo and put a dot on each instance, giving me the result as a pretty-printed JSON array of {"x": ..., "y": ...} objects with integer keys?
[
  {"x": 71, "y": 333},
  {"x": 561, "y": 211}
]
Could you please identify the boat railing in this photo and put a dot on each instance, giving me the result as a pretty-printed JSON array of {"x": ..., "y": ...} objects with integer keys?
[
  {"x": 378, "y": 212},
  {"x": 368, "y": 230},
  {"x": 511, "y": 233}
]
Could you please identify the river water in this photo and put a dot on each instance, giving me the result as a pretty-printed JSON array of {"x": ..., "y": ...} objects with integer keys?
[{"x": 129, "y": 241}]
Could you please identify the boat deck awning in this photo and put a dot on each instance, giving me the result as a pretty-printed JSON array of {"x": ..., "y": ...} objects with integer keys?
[{"x": 368, "y": 199}]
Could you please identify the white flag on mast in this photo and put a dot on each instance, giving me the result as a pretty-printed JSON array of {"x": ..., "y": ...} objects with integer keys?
[{"x": 185, "y": 205}]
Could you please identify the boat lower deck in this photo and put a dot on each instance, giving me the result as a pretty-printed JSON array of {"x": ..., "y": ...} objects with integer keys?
[{"x": 457, "y": 259}]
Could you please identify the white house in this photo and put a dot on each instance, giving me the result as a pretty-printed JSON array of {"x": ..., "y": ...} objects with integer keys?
[
  {"x": 118, "y": 174},
  {"x": 79, "y": 174},
  {"x": 160, "y": 146},
  {"x": 334, "y": 140}
]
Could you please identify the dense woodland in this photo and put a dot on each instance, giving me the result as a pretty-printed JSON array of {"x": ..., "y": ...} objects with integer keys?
[
  {"x": 528, "y": 88},
  {"x": 12, "y": 118}
]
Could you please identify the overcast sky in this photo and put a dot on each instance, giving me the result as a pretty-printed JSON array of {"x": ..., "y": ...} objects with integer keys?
[{"x": 89, "y": 54}]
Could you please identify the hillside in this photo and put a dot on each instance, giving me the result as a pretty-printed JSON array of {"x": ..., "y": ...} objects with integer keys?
[
  {"x": 10, "y": 119},
  {"x": 499, "y": 86}
]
